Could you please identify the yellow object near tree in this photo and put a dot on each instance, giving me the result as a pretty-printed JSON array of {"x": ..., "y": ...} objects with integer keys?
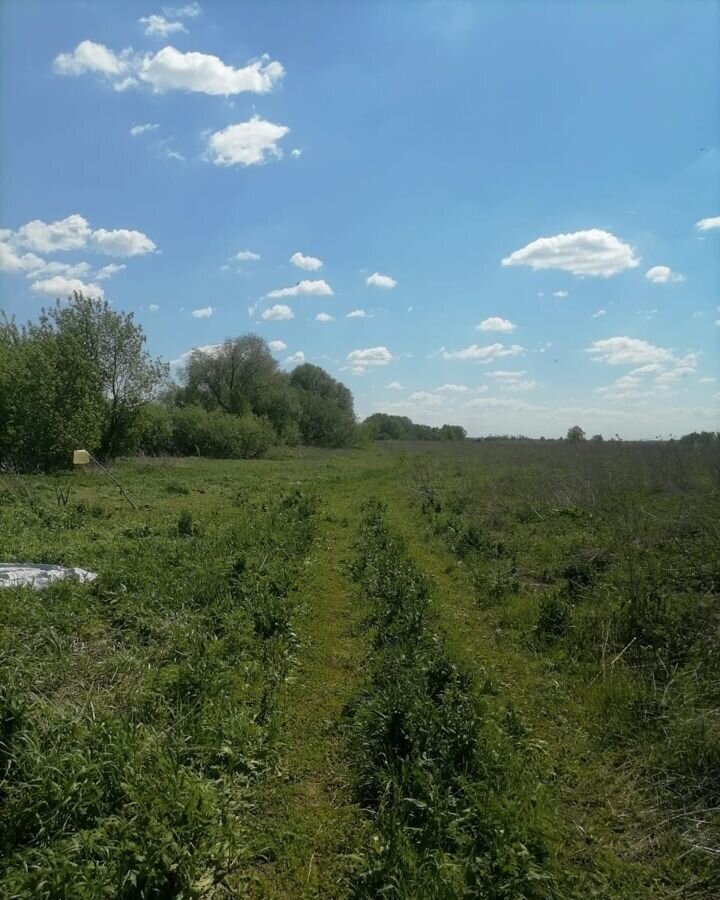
[{"x": 80, "y": 457}]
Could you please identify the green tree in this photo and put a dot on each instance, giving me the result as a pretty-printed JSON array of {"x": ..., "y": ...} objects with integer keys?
[
  {"x": 232, "y": 376},
  {"x": 575, "y": 434},
  {"x": 327, "y": 416},
  {"x": 115, "y": 345}
]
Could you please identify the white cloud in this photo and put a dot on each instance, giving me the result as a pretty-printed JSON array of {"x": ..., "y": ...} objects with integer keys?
[
  {"x": 598, "y": 314},
  {"x": 187, "y": 11},
  {"x": 159, "y": 26},
  {"x": 663, "y": 274},
  {"x": 372, "y": 356},
  {"x": 247, "y": 256},
  {"x": 527, "y": 385},
  {"x": 317, "y": 288},
  {"x": 91, "y": 57},
  {"x": 11, "y": 262},
  {"x": 122, "y": 242},
  {"x": 357, "y": 314},
  {"x": 310, "y": 263},
  {"x": 484, "y": 354},
  {"x": 203, "y": 313},
  {"x": 247, "y": 143},
  {"x": 323, "y": 317},
  {"x": 109, "y": 270},
  {"x": 153, "y": 308},
  {"x": 69, "y": 270},
  {"x": 506, "y": 374},
  {"x": 296, "y": 358},
  {"x": 707, "y": 380},
  {"x": 74, "y": 232},
  {"x": 381, "y": 281},
  {"x": 495, "y": 323},
  {"x": 502, "y": 403},
  {"x": 452, "y": 389},
  {"x": 277, "y": 346},
  {"x": 70, "y": 233},
  {"x": 142, "y": 129},
  {"x": 393, "y": 386},
  {"x": 61, "y": 286},
  {"x": 279, "y": 312},
  {"x": 592, "y": 252},
  {"x": 296, "y": 152},
  {"x": 708, "y": 224},
  {"x": 170, "y": 69},
  {"x": 206, "y": 349},
  {"x": 560, "y": 294},
  {"x": 620, "y": 351}
]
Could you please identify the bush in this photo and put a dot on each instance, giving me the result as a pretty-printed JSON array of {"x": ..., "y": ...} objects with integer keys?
[{"x": 197, "y": 432}]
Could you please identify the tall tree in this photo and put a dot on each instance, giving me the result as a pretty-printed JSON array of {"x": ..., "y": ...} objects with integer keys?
[{"x": 128, "y": 377}]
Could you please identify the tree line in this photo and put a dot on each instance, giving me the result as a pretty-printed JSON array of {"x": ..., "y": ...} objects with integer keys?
[
  {"x": 81, "y": 377},
  {"x": 384, "y": 427}
]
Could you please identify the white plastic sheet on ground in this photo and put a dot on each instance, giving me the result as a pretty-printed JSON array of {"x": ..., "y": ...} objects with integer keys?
[{"x": 39, "y": 575}]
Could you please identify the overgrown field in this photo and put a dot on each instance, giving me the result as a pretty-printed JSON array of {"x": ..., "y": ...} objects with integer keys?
[{"x": 416, "y": 671}]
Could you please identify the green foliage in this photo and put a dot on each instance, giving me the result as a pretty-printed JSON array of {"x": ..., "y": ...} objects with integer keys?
[
  {"x": 76, "y": 378},
  {"x": 429, "y": 765},
  {"x": 400, "y": 428},
  {"x": 139, "y": 715}
]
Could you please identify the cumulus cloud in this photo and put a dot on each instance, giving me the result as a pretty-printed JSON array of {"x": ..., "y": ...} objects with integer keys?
[
  {"x": 74, "y": 233},
  {"x": 323, "y": 317},
  {"x": 279, "y": 312},
  {"x": 663, "y": 274},
  {"x": 484, "y": 354},
  {"x": 122, "y": 242},
  {"x": 143, "y": 129},
  {"x": 247, "y": 143},
  {"x": 372, "y": 356},
  {"x": 170, "y": 68},
  {"x": 310, "y": 263},
  {"x": 159, "y": 26},
  {"x": 620, "y": 351},
  {"x": 296, "y": 152},
  {"x": 109, "y": 270},
  {"x": 296, "y": 358},
  {"x": 70, "y": 233},
  {"x": 91, "y": 57},
  {"x": 62, "y": 286},
  {"x": 153, "y": 308},
  {"x": 560, "y": 294},
  {"x": 203, "y": 313},
  {"x": 598, "y": 314},
  {"x": 10, "y": 261},
  {"x": 357, "y": 314},
  {"x": 495, "y": 323},
  {"x": 452, "y": 389},
  {"x": 277, "y": 346},
  {"x": 393, "y": 386},
  {"x": 381, "y": 281},
  {"x": 317, "y": 288},
  {"x": 247, "y": 256},
  {"x": 591, "y": 252},
  {"x": 708, "y": 224}
]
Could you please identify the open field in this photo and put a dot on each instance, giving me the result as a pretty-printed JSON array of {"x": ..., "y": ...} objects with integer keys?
[{"x": 414, "y": 671}]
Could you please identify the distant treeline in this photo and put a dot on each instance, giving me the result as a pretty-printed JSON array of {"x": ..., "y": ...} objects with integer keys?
[
  {"x": 383, "y": 427},
  {"x": 80, "y": 377}
]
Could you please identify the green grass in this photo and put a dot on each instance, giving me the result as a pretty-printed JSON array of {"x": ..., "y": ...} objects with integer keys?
[{"x": 206, "y": 719}]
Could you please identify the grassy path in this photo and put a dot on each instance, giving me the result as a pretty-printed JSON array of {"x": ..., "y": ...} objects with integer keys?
[
  {"x": 308, "y": 818},
  {"x": 605, "y": 827}
]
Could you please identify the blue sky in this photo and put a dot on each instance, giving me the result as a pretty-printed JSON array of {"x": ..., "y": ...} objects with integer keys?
[{"x": 519, "y": 201}]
